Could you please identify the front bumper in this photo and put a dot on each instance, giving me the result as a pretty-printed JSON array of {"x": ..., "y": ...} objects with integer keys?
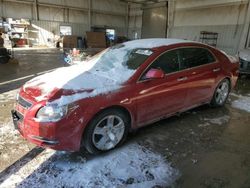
[{"x": 59, "y": 136}]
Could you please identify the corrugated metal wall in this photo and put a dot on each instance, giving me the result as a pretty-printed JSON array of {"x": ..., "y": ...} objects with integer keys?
[
  {"x": 227, "y": 20},
  {"x": 228, "y": 38},
  {"x": 189, "y": 17},
  {"x": 52, "y": 14}
]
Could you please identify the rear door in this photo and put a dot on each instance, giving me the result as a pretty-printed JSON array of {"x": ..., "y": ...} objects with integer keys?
[
  {"x": 162, "y": 97},
  {"x": 203, "y": 69}
]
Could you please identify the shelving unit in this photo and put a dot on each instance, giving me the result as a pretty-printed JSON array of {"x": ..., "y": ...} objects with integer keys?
[
  {"x": 209, "y": 38},
  {"x": 19, "y": 33}
]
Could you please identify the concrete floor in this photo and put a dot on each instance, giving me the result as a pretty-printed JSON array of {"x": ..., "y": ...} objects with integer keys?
[{"x": 208, "y": 146}]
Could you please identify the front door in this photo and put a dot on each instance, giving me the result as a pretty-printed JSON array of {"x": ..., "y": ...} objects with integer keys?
[{"x": 161, "y": 97}]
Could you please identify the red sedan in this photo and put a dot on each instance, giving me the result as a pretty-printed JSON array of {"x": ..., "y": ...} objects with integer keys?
[{"x": 95, "y": 103}]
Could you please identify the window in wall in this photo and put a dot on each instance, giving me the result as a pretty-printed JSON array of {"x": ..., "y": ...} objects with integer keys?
[
  {"x": 65, "y": 30},
  {"x": 110, "y": 34},
  {"x": 193, "y": 57},
  {"x": 168, "y": 62}
]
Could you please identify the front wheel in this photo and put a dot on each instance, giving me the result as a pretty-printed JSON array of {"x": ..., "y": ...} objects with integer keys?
[
  {"x": 221, "y": 93},
  {"x": 106, "y": 131}
]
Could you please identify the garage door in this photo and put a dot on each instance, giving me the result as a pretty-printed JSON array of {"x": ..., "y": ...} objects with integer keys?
[{"x": 154, "y": 22}]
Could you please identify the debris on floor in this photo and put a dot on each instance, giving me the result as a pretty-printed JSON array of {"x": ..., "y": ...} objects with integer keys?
[{"x": 242, "y": 103}]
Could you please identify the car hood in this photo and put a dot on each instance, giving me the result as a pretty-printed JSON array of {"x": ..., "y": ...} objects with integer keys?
[
  {"x": 69, "y": 84},
  {"x": 245, "y": 54}
]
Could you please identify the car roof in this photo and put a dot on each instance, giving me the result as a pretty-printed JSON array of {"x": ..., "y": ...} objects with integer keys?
[{"x": 154, "y": 42}]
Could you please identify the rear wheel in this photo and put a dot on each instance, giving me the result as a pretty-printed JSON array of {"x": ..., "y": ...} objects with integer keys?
[
  {"x": 221, "y": 93},
  {"x": 106, "y": 131}
]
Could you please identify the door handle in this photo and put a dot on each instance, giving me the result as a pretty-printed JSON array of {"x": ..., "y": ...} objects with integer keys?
[
  {"x": 182, "y": 79},
  {"x": 216, "y": 70}
]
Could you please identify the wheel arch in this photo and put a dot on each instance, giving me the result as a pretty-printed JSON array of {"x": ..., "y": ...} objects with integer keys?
[
  {"x": 113, "y": 107},
  {"x": 230, "y": 82},
  {"x": 117, "y": 107}
]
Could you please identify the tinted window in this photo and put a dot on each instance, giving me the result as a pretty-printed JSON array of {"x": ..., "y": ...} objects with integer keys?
[
  {"x": 192, "y": 57},
  {"x": 168, "y": 62}
]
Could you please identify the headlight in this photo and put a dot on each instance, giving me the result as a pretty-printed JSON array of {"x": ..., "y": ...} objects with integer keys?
[{"x": 51, "y": 113}]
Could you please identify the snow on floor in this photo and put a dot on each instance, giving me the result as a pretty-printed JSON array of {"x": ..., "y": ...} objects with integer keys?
[
  {"x": 7, "y": 133},
  {"x": 7, "y": 96},
  {"x": 131, "y": 166},
  {"x": 217, "y": 121},
  {"x": 242, "y": 103}
]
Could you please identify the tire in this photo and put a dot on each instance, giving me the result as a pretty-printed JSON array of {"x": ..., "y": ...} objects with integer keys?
[
  {"x": 221, "y": 93},
  {"x": 99, "y": 136},
  {"x": 4, "y": 59}
]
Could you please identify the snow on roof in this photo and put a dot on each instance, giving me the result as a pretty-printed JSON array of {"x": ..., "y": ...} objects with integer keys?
[{"x": 153, "y": 42}]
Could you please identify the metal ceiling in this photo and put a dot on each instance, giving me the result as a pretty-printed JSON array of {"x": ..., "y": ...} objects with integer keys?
[{"x": 141, "y": 1}]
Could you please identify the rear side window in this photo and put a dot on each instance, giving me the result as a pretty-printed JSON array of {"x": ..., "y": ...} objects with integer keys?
[
  {"x": 168, "y": 62},
  {"x": 193, "y": 57}
]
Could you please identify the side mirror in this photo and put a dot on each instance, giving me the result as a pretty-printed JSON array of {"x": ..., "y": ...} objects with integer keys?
[{"x": 154, "y": 74}]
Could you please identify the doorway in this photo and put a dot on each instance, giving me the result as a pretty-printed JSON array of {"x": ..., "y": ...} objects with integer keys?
[{"x": 154, "y": 22}]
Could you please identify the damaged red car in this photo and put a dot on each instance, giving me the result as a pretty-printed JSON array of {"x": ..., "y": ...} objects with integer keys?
[{"x": 95, "y": 103}]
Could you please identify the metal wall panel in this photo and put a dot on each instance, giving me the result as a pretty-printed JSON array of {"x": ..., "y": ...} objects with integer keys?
[
  {"x": 48, "y": 29},
  {"x": 228, "y": 38},
  {"x": 108, "y": 20},
  {"x": 78, "y": 17},
  {"x": 14, "y": 10},
  {"x": 108, "y": 13},
  {"x": 154, "y": 22},
  {"x": 109, "y": 6},
  {"x": 51, "y": 14},
  {"x": 77, "y": 29},
  {"x": 226, "y": 15}
]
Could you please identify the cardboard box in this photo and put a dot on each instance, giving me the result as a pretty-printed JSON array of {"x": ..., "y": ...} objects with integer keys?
[
  {"x": 96, "y": 39},
  {"x": 70, "y": 41}
]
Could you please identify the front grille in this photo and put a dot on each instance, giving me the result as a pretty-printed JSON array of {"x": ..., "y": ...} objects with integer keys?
[
  {"x": 24, "y": 103},
  {"x": 20, "y": 116},
  {"x": 244, "y": 65}
]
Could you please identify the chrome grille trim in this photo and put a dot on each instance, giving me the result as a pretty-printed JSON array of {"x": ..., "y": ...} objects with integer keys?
[{"x": 24, "y": 103}]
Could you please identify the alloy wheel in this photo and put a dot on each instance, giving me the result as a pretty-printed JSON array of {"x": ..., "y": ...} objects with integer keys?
[
  {"x": 108, "y": 132},
  {"x": 222, "y": 92}
]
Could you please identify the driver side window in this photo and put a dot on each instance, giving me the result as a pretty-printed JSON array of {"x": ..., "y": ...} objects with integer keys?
[{"x": 168, "y": 62}]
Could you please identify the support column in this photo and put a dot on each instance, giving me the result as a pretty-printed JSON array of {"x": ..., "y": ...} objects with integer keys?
[
  {"x": 1, "y": 8},
  {"x": 90, "y": 14},
  {"x": 245, "y": 36},
  {"x": 171, "y": 15},
  {"x": 36, "y": 10},
  {"x": 127, "y": 19},
  {"x": 66, "y": 15}
]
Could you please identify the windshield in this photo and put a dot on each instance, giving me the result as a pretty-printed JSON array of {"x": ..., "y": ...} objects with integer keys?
[{"x": 119, "y": 57}]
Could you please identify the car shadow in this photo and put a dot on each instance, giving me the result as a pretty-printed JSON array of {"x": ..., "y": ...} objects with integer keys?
[{"x": 13, "y": 168}]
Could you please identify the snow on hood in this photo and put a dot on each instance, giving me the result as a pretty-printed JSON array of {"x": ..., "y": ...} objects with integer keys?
[
  {"x": 103, "y": 73},
  {"x": 75, "y": 82},
  {"x": 79, "y": 81}
]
